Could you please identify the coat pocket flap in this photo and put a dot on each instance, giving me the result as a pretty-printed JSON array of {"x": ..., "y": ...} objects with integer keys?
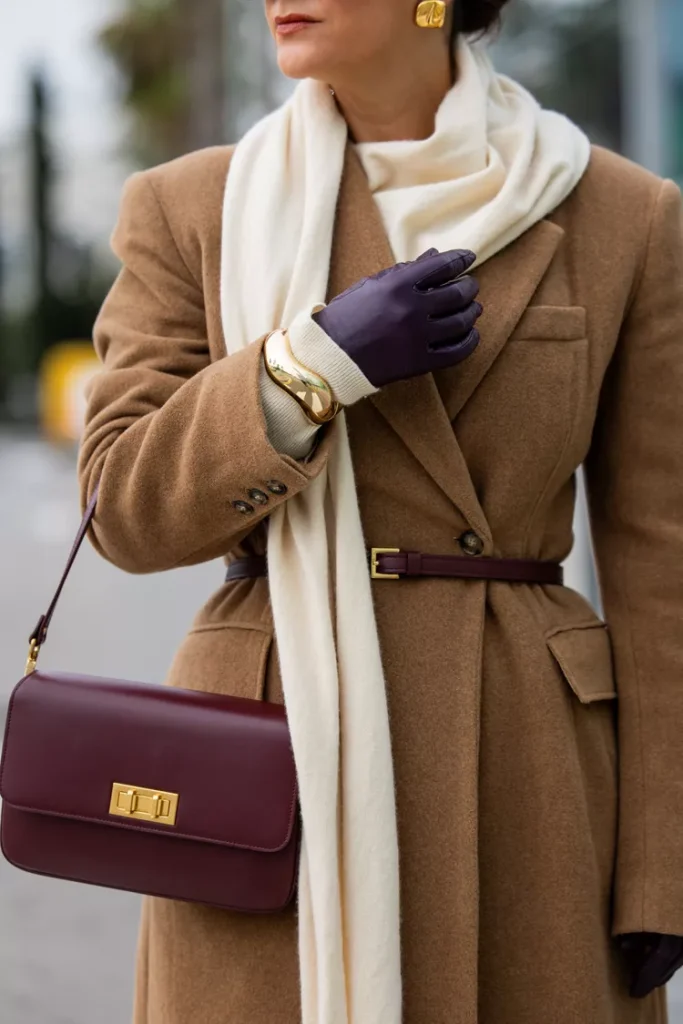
[
  {"x": 551, "y": 323},
  {"x": 584, "y": 654}
]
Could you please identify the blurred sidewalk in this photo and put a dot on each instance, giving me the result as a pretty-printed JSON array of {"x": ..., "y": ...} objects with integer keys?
[{"x": 67, "y": 951}]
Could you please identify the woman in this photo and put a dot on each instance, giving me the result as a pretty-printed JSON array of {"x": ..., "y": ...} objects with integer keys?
[{"x": 438, "y": 412}]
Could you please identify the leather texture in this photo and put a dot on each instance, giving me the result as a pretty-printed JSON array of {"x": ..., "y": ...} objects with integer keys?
[
  {"x": 69, "y": 738},
  {"x": 408, "y": 320},
  {"x": 411, "y": 564},
  {"x": 39, "y": 634},
  {"x": 653, "y": 959}
]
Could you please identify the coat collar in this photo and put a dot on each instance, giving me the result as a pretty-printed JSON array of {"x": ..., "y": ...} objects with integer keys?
[{"x": 422, "y": 410}]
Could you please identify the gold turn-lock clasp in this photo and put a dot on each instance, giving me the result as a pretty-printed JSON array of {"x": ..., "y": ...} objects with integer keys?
[
  {"x": 149, "y": 804},
  {"x": 374, "y": 564}
]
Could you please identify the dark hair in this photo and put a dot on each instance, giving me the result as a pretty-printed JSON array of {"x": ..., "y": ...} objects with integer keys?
[{"x": 472, "y": 16}]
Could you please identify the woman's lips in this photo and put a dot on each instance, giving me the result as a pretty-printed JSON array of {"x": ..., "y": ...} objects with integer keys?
[{"x": 288, "y": 28}]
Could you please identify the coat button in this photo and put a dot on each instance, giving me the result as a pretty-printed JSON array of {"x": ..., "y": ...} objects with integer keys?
[
  {"x": 275, "y": 487},
  {"x": 258, "y": 497},
  {"x": 244, "y": 507},
  {"x": 471, "y": 543}
]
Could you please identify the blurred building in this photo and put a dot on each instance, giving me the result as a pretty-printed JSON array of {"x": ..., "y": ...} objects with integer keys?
[
  {"x": 652, "y": 83},
  {"x": 15, "y": 280},
  {"x": 672, "y": 34},
  {"x": 254, "y": 85}
]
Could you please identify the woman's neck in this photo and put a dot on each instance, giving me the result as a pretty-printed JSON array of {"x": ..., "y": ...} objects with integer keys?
[{"x": 395, "y": 103}]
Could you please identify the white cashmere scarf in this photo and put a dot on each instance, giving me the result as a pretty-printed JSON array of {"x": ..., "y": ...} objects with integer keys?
[{"x": 496, "y": 164}]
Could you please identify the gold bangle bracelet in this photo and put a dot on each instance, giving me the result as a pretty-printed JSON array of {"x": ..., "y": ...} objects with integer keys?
[{"x": 306, "y": 387}]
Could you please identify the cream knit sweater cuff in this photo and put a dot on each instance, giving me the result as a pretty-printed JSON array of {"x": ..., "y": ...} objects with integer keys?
[{"x": 289, "y": 429}]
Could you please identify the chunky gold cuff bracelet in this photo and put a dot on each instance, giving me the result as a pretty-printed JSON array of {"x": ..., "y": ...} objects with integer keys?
[{"x": 306, "y": 387}]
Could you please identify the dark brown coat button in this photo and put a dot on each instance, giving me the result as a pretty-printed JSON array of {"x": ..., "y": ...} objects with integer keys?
[
  {"x": 471, "y": 543},
  {"x": 259, "y": 497},
  {"x": 275, "y": 487},
  {"x": 244, "y": 507}
]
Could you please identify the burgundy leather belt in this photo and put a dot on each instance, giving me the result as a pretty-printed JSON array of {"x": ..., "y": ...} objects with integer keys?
[{"x": 392, "y": 564}]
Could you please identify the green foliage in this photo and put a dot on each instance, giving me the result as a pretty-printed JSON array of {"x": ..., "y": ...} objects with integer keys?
[{"x": 146, "y": 43}]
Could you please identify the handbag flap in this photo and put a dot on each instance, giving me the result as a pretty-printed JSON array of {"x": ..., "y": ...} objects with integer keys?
[{"x": 221, "y": 767}]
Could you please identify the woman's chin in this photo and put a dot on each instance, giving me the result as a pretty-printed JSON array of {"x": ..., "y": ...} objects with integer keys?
[{"x": 298, "y": 61}]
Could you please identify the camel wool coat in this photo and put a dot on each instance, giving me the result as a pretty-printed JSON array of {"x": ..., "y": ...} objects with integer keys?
[{"x": 538, "y": 748}]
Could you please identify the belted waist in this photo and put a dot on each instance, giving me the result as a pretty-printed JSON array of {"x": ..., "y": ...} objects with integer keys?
[{"x": 394, "y": 564}]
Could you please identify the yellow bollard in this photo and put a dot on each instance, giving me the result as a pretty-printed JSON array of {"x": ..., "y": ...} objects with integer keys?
[{"x": 65, "y": 373}]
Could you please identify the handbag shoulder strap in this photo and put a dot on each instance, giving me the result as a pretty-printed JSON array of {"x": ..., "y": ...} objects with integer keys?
[{"x": 39, "y": 634}]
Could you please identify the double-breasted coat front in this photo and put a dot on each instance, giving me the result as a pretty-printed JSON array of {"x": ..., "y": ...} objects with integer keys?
[{"x": 538, "y": 748}]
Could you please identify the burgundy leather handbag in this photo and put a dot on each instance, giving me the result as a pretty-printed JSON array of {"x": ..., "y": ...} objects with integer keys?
[{"x": 168, "y": 792}]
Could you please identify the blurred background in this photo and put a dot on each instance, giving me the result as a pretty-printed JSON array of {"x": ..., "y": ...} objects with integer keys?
[{"x": 88, "y": 94}]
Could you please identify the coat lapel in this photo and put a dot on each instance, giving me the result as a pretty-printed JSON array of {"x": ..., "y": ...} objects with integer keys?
[
  {"x": 418, "y": 410},
  {"x": 413, "y": 408},
  {"x": 507, "y": 285}
]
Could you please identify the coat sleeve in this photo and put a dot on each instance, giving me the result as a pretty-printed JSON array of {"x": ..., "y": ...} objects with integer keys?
[
  {"x": 635, "y": 483},
  {"x": 173, "y": 438}
]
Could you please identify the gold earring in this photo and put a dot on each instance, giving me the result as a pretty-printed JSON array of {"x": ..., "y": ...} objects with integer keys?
[{"x": 431, "y": 14}]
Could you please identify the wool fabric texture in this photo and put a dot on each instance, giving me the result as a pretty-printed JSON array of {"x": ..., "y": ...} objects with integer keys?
[{"x": 496, "y": 164}]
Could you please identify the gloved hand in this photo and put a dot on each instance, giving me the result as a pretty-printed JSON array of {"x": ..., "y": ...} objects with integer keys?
[
  {"x": 653, "y": 960},
  {"x": 408, "y": 320}
]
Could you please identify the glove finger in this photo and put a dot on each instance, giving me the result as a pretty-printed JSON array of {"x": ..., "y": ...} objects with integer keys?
[
  {"x": 449, "y": 355},
  {"x": 673, "y": 949},
  {"x": 437, "y": 270},
  {"x": 447, "y": 331},
  {"x": 673, "y": 970},
  {"x": 656, "y": 967},
  {"x": 407, "y": 263},
  {"x": 451, "y": 298},
  {"x": 632, "y": 943},
  {"x": 425, "y": 255}
]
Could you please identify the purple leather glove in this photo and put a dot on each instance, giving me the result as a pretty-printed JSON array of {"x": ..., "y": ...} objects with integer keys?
[
  {"x": 408, "y": 320},
  {"x": 653, "y": 960}
]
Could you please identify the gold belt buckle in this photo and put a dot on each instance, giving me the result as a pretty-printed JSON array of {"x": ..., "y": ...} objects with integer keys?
[{"x": 375, "y": 574}]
